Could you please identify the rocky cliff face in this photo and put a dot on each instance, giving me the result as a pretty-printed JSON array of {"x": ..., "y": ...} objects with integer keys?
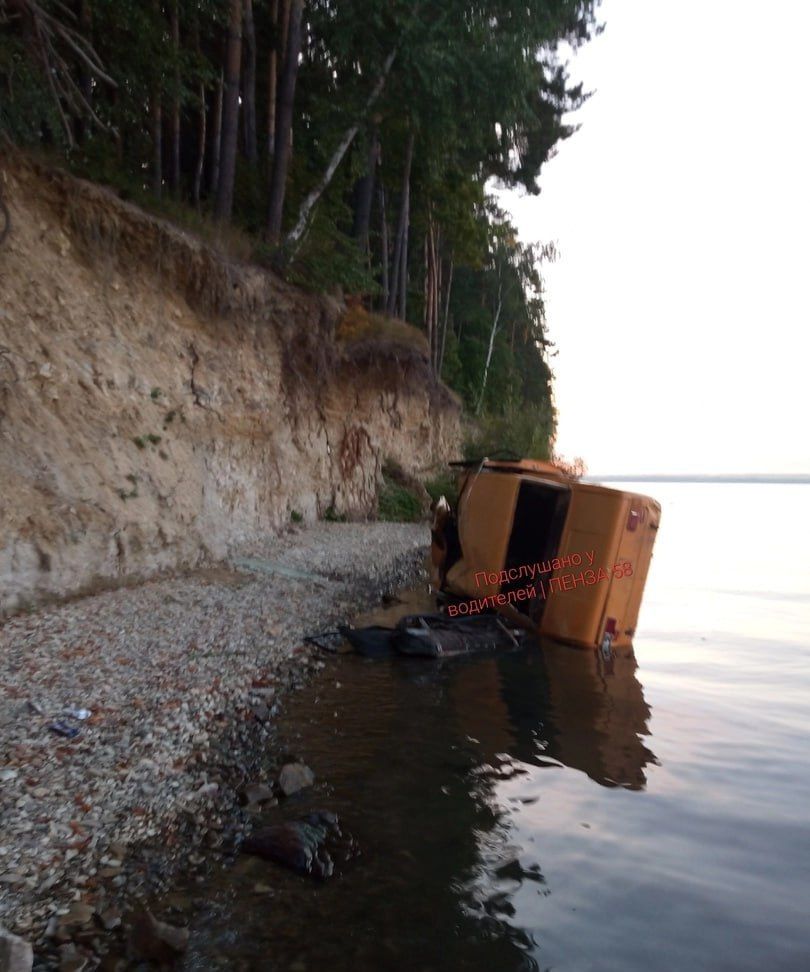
[{"x": 160, "y": 407}]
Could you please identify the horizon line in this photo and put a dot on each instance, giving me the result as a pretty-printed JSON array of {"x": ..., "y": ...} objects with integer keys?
[{"x": 697, "y": 477}]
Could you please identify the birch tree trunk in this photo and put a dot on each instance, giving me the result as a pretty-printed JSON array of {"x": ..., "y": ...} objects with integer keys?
[
  {"x": 432, "y": 289},
  {"x": 297, "y": 232},
  {"x": 492, "y": 334},
  {"x": 446, "y": 318}
]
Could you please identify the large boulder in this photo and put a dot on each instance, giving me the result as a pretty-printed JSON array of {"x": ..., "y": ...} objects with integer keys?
[
  {"x": 294, "y": 777},
  {"x": 299, "y": 844}
]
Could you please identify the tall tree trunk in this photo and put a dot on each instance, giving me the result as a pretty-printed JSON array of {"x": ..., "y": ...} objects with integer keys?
[
  {"x": 156, "y": 112},
  {"x": 365, "y": 194},
  {"x": 249, "y": 85},
  {"x": 201, "y": 126},
  {"x": 284, "y": 118},
  {"x": 427, "y": 310},
  {"x": 216, "y": 137},
  {"x": 403, "y": 270},
  {"x": 285, "y": 36},
  {"x": 384, "y": 248},
  {"x": 174, "y": 173},
  {"x": 294, "y": 236},
  {"x": 446, "y": 318},
  {"x": 230, "y": 114},
  {"x": 272, "y": 86},
  {"x": 432, "y": 288},
  {"x": 156, "y": 122},
  {"x": 85, "y": 18},
  {"x": 437, "y": 292},
  {"x": 285, "y": 10},
  {"x": 492, "y": 333},
  {"x": 400, "y": 240}
]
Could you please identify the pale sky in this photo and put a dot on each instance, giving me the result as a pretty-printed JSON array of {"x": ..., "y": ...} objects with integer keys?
[{"x": 681, "y": 209}]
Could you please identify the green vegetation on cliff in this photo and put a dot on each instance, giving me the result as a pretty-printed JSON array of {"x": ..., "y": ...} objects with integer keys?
[{"x": 348, "y": 143}]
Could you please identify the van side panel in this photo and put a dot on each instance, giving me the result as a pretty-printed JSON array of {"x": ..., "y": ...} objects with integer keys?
[
  {"x": 594, "y": 523},
  {"x": 484, "y": 527},
  {"x": 637, "y": 547}
]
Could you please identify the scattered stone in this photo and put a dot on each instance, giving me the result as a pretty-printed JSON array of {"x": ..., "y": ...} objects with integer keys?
[
  {"x": 256, "y": 793},
  {"x": 110, "y": 919},
  {"x": 71, "y": 960},
  {"x": 7, "y": 774},
  {"x": 265, "y": 693},
  {"x": 261, "y": 711},
  {"x": 16, "y": 954},
  {"x": 79, "y": 914},
  {"x": 294, "y": 777},
  {"x": 152, "y": 940}
]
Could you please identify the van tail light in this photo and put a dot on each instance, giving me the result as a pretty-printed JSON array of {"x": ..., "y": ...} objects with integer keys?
[
  {"x": 610, "y": 627},
  {"x": 632, "y": 520}
]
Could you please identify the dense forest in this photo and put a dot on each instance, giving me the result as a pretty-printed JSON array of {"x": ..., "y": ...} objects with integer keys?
[{"x": 353, "y": 143}]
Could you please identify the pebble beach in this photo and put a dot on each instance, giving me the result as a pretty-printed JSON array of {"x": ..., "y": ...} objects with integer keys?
[{"x": 133, "y": 723}]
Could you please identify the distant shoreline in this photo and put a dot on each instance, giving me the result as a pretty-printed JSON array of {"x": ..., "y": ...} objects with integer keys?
[{"x": 779, "y": 478}]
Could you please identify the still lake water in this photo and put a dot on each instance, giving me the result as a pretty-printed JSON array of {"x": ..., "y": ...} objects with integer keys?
[{"x": 545, "y": 810}]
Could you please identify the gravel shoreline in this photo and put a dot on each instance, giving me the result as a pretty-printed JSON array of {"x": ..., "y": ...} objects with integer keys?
[{"x": 183, "y": 678}]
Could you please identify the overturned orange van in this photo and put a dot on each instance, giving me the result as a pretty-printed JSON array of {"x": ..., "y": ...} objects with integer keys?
[{"x": 564, "y": 557}]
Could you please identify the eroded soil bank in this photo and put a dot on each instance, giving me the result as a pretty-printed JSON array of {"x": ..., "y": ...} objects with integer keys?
[
  {"x": 161, "y": 407},
  {"x": 184, "y": 679}
]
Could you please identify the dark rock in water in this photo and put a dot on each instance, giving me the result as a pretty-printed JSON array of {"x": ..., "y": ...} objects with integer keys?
[
  {"x": 154, "y": 940},
  {"x": 294, "y": 777},
  {"x": 299, "y": 844}
]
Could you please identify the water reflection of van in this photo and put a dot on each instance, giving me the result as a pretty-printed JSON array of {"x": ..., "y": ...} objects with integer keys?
[
  {"x": 552, "y": 704},
  {"x": 568, "y": 558}
]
